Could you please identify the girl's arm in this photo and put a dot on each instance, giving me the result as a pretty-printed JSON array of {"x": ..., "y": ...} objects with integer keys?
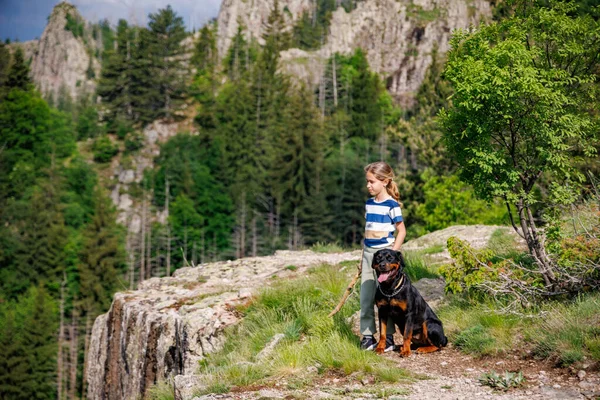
[{"x": 399, "y": 236}]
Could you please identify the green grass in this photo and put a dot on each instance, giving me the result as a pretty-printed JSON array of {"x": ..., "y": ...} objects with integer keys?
[
  {"x": 565, "y": 333},
  {"x": 299, "y": 309},
  {"x": 477, "y": 329},
  {"x": 161, "y": 391},
  {"x": 417, "y": 267},
  {"x": 568, "y": 332},
  {"x": 436, "y": 248}
]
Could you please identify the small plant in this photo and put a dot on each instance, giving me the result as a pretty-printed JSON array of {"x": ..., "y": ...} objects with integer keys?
[
  {"x": 291, "y": 267},
  {"x": 502, "y": 382}
]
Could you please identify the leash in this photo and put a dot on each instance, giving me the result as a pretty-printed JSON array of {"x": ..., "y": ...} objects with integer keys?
[{"x": 397, "y": 289}]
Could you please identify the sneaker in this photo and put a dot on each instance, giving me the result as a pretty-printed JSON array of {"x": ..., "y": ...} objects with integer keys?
[
  {"x": 389, "y": 344},
  {"x": 368, "y": 343}
]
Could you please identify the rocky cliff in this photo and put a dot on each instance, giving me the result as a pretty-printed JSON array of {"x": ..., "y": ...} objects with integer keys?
[
  {"x": 398, "y": 36},
  {"x": 161, "y": 331},
  {"x": 63, "y": 59}
]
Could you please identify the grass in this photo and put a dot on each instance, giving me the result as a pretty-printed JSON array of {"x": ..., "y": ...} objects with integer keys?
[
  {"x": 299, "y": 309},
  {"x": 417, "y": 268},
  {"x": 161, "y": 391},
  {"x": 569, "y": 332},
  {"x": 477, "y": 329},
  {"x": 327, "y": 248},
  {"x": 566, "y": 333}
]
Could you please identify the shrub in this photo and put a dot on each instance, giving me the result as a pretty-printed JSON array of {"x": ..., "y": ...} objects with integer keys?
[{"x": 104, "y": 150}]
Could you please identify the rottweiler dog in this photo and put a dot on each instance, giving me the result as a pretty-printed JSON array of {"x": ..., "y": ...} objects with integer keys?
[{"x": 396, "y": 296}]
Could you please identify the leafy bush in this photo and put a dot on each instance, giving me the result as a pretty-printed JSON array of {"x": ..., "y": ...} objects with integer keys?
[
  {"x": 470, "y": 269},
  {"x": 448, "y": 201},
  {"x": 104, "y": 150}
]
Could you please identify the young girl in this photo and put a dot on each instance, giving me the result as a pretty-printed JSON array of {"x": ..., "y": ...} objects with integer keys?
[{"x": 384, "y": 217}]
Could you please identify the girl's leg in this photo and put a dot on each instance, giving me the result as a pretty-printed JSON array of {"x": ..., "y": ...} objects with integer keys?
[
  {"x": 367, "y": 297},
  {"x": 367, "y": 294}
]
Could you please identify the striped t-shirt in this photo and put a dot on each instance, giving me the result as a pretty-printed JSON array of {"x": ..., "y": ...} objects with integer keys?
[{"x": 382, "y": 218}]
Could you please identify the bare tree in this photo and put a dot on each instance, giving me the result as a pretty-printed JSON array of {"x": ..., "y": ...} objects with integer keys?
[
  {"x": 143, "y": 238},
  {"x": 61, "y": 339},
  {"x": 74, "y": 348},
  {"x": 167, "y": 195}
]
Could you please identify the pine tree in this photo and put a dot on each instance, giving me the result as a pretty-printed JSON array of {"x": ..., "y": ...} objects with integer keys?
[
  {"x": 4, "y": 63},
  {"x": 114, "y": 86},
  {"x": 41, "y": 253},
  {"x": 18, "y": 75},
  {"x": 13, "y": 365},
  {"x": 39, "y": 343},
  {"x": 102, "y": 257},
  {"x": 241, "y": 55},
  {"x": 205, "y": 53},
  {"x": 365, "y": 110},
  {"x": 299, "y": 163},
  {"x": 167, "y": 31}
]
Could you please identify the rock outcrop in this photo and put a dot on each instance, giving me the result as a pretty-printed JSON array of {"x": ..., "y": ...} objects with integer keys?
[
  {"x": 397, "y": 36},
  {"x": 166, "y": 326},
  {"x": 63, "y": 60}
]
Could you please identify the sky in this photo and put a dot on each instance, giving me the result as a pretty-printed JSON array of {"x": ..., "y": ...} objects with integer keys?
[{"x": 26, "y": 19}]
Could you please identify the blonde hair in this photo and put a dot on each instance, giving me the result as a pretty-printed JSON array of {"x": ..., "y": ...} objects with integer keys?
[{"x": 383, "y": 171}]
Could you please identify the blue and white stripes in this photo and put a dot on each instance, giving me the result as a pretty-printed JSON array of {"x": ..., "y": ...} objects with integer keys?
[{"x": 382, "y": 218}]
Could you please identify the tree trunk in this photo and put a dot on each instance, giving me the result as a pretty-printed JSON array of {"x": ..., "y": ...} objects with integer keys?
[
  {"x": 88, "y": 327},
  {"x": 149, "y": 253},
  {"x": 536, "y": 248},
  {"x": 167, "y": 195},
  {"x": 143, "y": 244},
  {"x": 334, "y": 72},
  {"x": 74, "y": 350},
  {"x": 61, "y": 338},
  {"x": 254, "y": 236},
  {"x": 243, "y": 227}
]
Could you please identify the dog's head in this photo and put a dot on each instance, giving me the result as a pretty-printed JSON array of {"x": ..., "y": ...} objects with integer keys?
[{"x": 388, "y": 264}]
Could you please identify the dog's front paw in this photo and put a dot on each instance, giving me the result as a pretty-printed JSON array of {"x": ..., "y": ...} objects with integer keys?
[
  {"x": 405, "y": 352},
  {"x": 380, "y": 349}
]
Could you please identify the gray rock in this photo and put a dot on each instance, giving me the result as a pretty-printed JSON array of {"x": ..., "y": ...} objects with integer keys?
[{"x": 162, "y": 330}]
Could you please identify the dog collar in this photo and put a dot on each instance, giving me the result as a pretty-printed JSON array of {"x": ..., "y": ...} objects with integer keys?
[{"x": 397, "y": 289}]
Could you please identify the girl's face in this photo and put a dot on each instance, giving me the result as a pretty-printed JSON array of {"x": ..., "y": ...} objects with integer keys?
[{"x": 374, "y": 185}]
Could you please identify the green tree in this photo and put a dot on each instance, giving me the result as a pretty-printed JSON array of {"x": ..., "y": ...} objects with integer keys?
[
  {"x": 102, "y": 257},
  {"x": 40, "y": 325},
  {"x": 299, "y": 163},
  {"x": 13, "y": 366},
  {"x": 205, "y": 53},
  {"x": 43, "y": 236},
  {"x": 521, "y": 111},
  {"x": 240, "y": 56},
  {"x": 18, "y": 75},
  {"x": 166, "y": 33},
  {"x": 4, "y": 63}
]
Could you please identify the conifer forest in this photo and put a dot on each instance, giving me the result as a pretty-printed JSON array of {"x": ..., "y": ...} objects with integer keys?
[{"x": 504, "y": 130}]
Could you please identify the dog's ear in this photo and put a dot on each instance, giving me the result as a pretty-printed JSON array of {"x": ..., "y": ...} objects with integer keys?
[{"x": 400, "y": 258}]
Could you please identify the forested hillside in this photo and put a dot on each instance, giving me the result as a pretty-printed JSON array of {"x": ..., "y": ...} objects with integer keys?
[{"x": 268, "y": 163}]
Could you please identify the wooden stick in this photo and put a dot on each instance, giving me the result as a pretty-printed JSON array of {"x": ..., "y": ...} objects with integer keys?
[{"x": 350, "y": 286}]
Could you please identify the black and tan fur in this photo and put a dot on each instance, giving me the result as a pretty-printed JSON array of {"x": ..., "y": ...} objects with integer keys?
[{"x": 395, "y": 295}]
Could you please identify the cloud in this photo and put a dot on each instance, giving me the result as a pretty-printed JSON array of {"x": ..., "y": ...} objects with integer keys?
[
  {"x": 26, "y": 19},
  {"x": 195, "y": 13}
]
